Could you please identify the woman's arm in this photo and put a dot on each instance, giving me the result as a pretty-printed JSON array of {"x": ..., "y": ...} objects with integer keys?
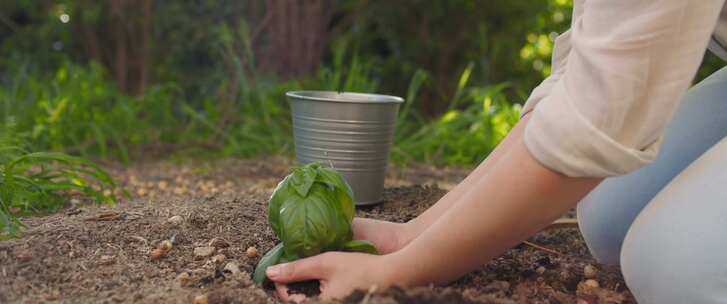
[
  {"x": 415, "y": 227},
  {"x": 513, "y": 200},
  {"x": 389, "y": 237}
]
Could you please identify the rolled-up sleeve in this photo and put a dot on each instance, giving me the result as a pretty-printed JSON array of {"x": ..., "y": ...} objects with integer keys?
[{"x": 625, "y": 68}]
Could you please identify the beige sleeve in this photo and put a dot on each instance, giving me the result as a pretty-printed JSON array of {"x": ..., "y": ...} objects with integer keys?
[
  {"x": 560, "y": 57},
  {"x": 628, "y": 64}
]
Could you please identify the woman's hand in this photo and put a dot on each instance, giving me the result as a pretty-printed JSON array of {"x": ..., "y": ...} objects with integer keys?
[
  {"x": 386, "y": 236},
  {"x": 339, "y": 274}
]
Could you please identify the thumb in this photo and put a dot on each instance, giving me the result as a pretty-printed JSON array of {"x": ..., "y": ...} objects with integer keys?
[{"x": 301, "y": 270}]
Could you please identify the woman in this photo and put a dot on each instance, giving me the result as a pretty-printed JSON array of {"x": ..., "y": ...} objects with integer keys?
[{"x": 590, "y": 133}]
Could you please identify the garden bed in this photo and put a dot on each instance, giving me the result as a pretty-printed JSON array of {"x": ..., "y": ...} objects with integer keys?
[{"x": 102, "y": 254}]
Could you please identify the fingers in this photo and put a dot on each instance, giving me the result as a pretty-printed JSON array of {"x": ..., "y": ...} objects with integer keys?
[
  {"x": 311, "y": 268},
  {"x": 282, "y": 291}
]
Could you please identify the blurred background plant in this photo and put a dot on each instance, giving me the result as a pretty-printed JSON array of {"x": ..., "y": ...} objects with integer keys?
[
  {"x": 39, "y": 182},
  {"x": 126, "y": 79}
]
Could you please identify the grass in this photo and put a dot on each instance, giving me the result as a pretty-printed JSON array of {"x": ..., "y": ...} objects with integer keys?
[
  {"x": 40, "y": 182},
  {"x": 478, "y": 118},
  {"x": 77, "y": 110}
]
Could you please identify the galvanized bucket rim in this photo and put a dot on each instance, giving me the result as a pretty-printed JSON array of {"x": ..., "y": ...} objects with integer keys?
[{"x": 344, "y": 97}]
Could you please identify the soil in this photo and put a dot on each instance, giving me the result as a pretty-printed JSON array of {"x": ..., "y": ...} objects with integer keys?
[{"x": 103, "y": 254}]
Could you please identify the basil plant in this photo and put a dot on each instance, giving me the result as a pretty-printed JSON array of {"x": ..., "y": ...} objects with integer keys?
[{"x": 311, "y": 212}]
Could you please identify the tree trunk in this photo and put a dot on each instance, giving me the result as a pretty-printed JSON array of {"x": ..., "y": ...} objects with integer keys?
[
  {"x": 297, "y": 35},
  {"x": 145, "y": 53},
  {"x": 120, "y": 62}
]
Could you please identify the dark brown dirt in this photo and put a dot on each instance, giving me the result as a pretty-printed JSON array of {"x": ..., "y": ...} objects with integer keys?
[
  {"x": 102, "y": 254},
  {"x": 307, "y": 288}
]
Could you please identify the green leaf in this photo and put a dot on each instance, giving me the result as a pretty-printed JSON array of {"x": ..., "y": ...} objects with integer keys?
[
  {"x": 270, "y": 258},
  {"x": 360, "y": 246},
  {"x": 312, "y": 225},
  {"x": 303, "y": 178},
  {"x": 281, "y": 193},
  {"x": 41, "y": 182},
  {"x": 344, "y": 194}
]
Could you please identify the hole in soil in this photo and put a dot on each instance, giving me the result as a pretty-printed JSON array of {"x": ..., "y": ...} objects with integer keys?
[{"x": 308, "y": 288}]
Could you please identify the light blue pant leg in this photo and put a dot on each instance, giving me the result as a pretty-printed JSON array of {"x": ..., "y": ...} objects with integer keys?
[
  {"x": 606, "y": 214},
  {"x": 676, "y": 249}
]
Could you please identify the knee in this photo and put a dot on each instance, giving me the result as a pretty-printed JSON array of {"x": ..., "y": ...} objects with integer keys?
[
  {"x": 603, "y": 223},
  {"x": 603, "y": 242},
  {"x": 661, "y": 267},
  {"x": 605, "y": 214}
]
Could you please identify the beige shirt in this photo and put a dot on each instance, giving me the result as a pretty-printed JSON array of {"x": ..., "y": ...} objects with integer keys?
[{"x": 618, "y": 75}]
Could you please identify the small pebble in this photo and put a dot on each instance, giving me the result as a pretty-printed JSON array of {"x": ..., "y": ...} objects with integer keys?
[
  {"x": 204, "y": 251},
  {"x": 251, "y": 252},
  {"x": 218, "y": 259},
  {"x": 141, "y": 192},
  {"x": 176, "y": 220},
  {"x": 540, "y": 270},
  {"x": 53, "y": 295},
  {"x": 590, "y": 272},
  {"x": 162, "y": 184},
  {"x": 183, "y": 278},
  {"x": 591, "y": 283},
  {"x": 232, "y": 267},
  {"x": 106, "y": 260},
  {"x": 157, "y": 254},
  {"x": 24, "y": 256},
  {"x": 165, "y": 245},
  {"x": 162, "y": 249},
  {"x": 200, "y": 299},
  {"x": 179, "y": 190}
]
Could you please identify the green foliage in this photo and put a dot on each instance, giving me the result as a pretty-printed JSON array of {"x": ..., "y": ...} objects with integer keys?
[
  {"x": 477, "y": 120},
  {"x": 78, "y": 110},
  {"x": 270, "y": 258},
  {"x": 540, "y": 38},
  {"x": 36, "y": 182},
  {"x": 311, "y": 211},
  {"x": 443, "y": 37}
]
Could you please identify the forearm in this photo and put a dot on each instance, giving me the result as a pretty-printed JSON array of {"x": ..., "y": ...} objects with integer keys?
[
  {"x": 514, "y": 199},
  {"x": 415, "y": 227}
]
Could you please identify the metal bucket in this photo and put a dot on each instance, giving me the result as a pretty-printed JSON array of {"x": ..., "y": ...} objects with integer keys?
[{"x": 351, "y": 132}]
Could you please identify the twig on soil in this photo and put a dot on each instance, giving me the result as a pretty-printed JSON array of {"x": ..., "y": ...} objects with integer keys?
[
  {"x": 106, "y": 216},
  {"x": 563, "y": 223},
  {"x": 140, "y": 239},
  {"x": 73, "y": 211},
  {"x": 536, "y": 246}
]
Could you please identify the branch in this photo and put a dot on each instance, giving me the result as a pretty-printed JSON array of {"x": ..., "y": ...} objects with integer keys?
[{"x": 264, "y": 23}]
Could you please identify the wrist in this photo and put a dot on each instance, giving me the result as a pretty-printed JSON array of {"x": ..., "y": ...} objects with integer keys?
[
  {"x": 396, "y": 273},
  {"x": 405, "y": 233}
]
